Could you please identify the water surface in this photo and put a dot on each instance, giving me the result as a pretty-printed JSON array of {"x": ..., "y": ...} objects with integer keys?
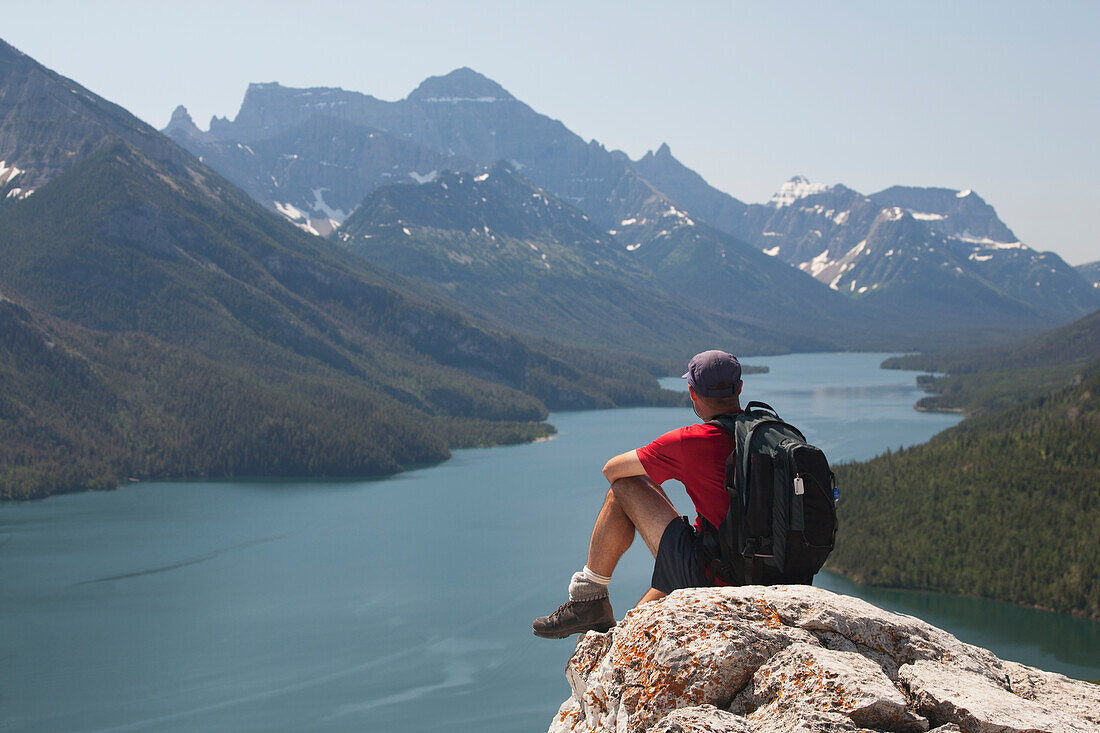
[{"x": 401, "y": 604}]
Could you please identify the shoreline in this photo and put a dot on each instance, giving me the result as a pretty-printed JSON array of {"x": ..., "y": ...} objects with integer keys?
[{"x": 1082, "y": 616}]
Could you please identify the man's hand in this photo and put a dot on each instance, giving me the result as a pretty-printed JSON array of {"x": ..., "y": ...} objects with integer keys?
[{"x": 622, "y": 466}]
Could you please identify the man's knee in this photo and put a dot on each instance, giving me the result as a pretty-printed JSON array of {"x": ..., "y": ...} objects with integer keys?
[
  {"x": 625, "y": 488},
  {"x": 646, "y": 505}
]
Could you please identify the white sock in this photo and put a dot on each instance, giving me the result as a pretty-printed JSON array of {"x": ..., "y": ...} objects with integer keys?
[
  {"x": 583, "y": 588},
  {"x": 595, "y": 577}
]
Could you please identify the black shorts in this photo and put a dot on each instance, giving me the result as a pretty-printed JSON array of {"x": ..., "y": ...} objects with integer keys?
[{"x": 676, "y": 566}]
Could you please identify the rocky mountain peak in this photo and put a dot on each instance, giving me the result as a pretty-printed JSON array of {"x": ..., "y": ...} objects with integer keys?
[
  {"x": 796, "y": 188},
  {"x": 260, "y": 93},
  {"x": 49, "y": 123},
  {"x": 663, "y": 154},
  {"x": 181, "y": 115},
  {"x": 961, "y": 214},
  {"x": 181, "y": 123},
  {"x": 461, "y": 85},
  {"x": 261, "y": 86}
]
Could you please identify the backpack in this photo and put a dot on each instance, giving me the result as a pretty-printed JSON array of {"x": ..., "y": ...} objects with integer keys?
[{"x": 781, "y": 523}]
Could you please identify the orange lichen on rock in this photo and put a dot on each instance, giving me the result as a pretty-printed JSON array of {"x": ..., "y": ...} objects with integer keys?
[
  {"x": 576, "y": 721},
  {"x": 769, "y": 615},
  {"x": 790, "y": 658}
]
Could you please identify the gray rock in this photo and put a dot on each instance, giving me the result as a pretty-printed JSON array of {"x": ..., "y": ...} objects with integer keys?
[
  {"x": 702, "y": 719},
  {"x": 1055, "y": 690},
  {"x": 798, "y": 717},
  {"x": 947, "y": 694},
  {"x": 797, "y": 658},
  {"x": 843, "y": 682}
]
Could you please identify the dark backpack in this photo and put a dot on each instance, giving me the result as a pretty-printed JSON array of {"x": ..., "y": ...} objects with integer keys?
[{"x": 781, "y": 523}]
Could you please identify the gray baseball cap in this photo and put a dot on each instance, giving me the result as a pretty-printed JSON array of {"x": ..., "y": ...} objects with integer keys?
[{"x": 714, "y": 374}]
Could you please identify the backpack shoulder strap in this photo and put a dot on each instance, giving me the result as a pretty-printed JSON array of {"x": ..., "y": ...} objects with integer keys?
[
  {"x": 729, "y": 424},
  {"x": 757, "y": 407}
]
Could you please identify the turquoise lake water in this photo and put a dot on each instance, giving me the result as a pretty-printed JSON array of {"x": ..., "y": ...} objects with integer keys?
[{"x": 401, "y": 604}]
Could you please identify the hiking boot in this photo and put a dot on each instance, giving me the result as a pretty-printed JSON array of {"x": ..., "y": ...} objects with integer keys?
[{"x": 574, "y": 617}]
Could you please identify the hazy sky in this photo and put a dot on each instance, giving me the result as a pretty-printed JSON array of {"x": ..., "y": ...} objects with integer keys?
[{"x": 1000, "y": 97}]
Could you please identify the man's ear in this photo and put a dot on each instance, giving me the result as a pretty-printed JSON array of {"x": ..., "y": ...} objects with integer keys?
[{"x": 740, "y": 384}]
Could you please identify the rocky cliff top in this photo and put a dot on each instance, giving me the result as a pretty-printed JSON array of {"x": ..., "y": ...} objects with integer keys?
[{"x": 797, "y": 658}]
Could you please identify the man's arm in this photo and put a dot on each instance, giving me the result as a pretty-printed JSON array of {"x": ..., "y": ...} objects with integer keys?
[{"x": 622, "y": 466}]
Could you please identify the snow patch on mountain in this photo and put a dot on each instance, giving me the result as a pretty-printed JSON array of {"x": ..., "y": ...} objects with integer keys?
[
  {"x": 772, "y": 251},
  {"x": 797, "y": 188},
  {"x": 7, "y": 173},
  {"x": 426, "y": 178},
  {"x": 922, "y": 216},
  {"x": 963, "y": 194},
  {"x": 817, "y": 264},
  {"x": 989, "y": 243},
  {"x": 290, "y": 211},
  {"x": 317, "y": 226},
  {"x": 319, "y": 204},
  {"x": 673, "y": 211}
]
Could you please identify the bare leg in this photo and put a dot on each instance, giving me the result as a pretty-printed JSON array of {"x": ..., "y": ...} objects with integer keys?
[
  {"x": 635, "y": 503},
  {"x": 651, "y": 595}
]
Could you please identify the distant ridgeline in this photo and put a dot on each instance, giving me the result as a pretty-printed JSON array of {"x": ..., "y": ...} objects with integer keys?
[
  {"x": 1005, "y": 505},
  {"x": 465, "y": 187}
]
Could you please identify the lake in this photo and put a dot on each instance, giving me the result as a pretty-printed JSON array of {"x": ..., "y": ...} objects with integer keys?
[{"x": 401, "y": 604}]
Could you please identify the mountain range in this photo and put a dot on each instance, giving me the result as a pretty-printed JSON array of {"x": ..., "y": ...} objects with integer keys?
[
  {"x": 332, "y": 284},
  {"x": 156, "y": 321},
  {"x": 924, "y": 262},
  {"x": 941, "y": 249},
  {"x": 508, "y": 250}
]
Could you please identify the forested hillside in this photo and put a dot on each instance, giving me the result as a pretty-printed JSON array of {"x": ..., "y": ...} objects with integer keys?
[
  {"x": 1075, "y": 343},
  {"x": 1006, "y": 504},
  {"x": 156, "y": 322},
  {"x": 980, "y": 381}
]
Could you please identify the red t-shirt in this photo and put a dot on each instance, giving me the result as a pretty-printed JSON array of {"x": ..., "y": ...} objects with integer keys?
[{"x": 696, "y": 457}]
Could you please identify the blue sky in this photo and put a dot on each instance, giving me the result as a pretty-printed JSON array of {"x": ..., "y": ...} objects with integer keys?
[{"x": 1000, "y": 97}]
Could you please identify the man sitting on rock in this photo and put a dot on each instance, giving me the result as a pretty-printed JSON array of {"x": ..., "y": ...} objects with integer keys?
[{"x": 696, "y": 456}]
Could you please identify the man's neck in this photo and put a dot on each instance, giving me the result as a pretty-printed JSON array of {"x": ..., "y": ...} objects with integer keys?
[{"x": 710, "y": 417}]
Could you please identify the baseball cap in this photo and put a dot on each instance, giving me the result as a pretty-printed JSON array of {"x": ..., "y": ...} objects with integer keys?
[{"x": 714, "y": 374}]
